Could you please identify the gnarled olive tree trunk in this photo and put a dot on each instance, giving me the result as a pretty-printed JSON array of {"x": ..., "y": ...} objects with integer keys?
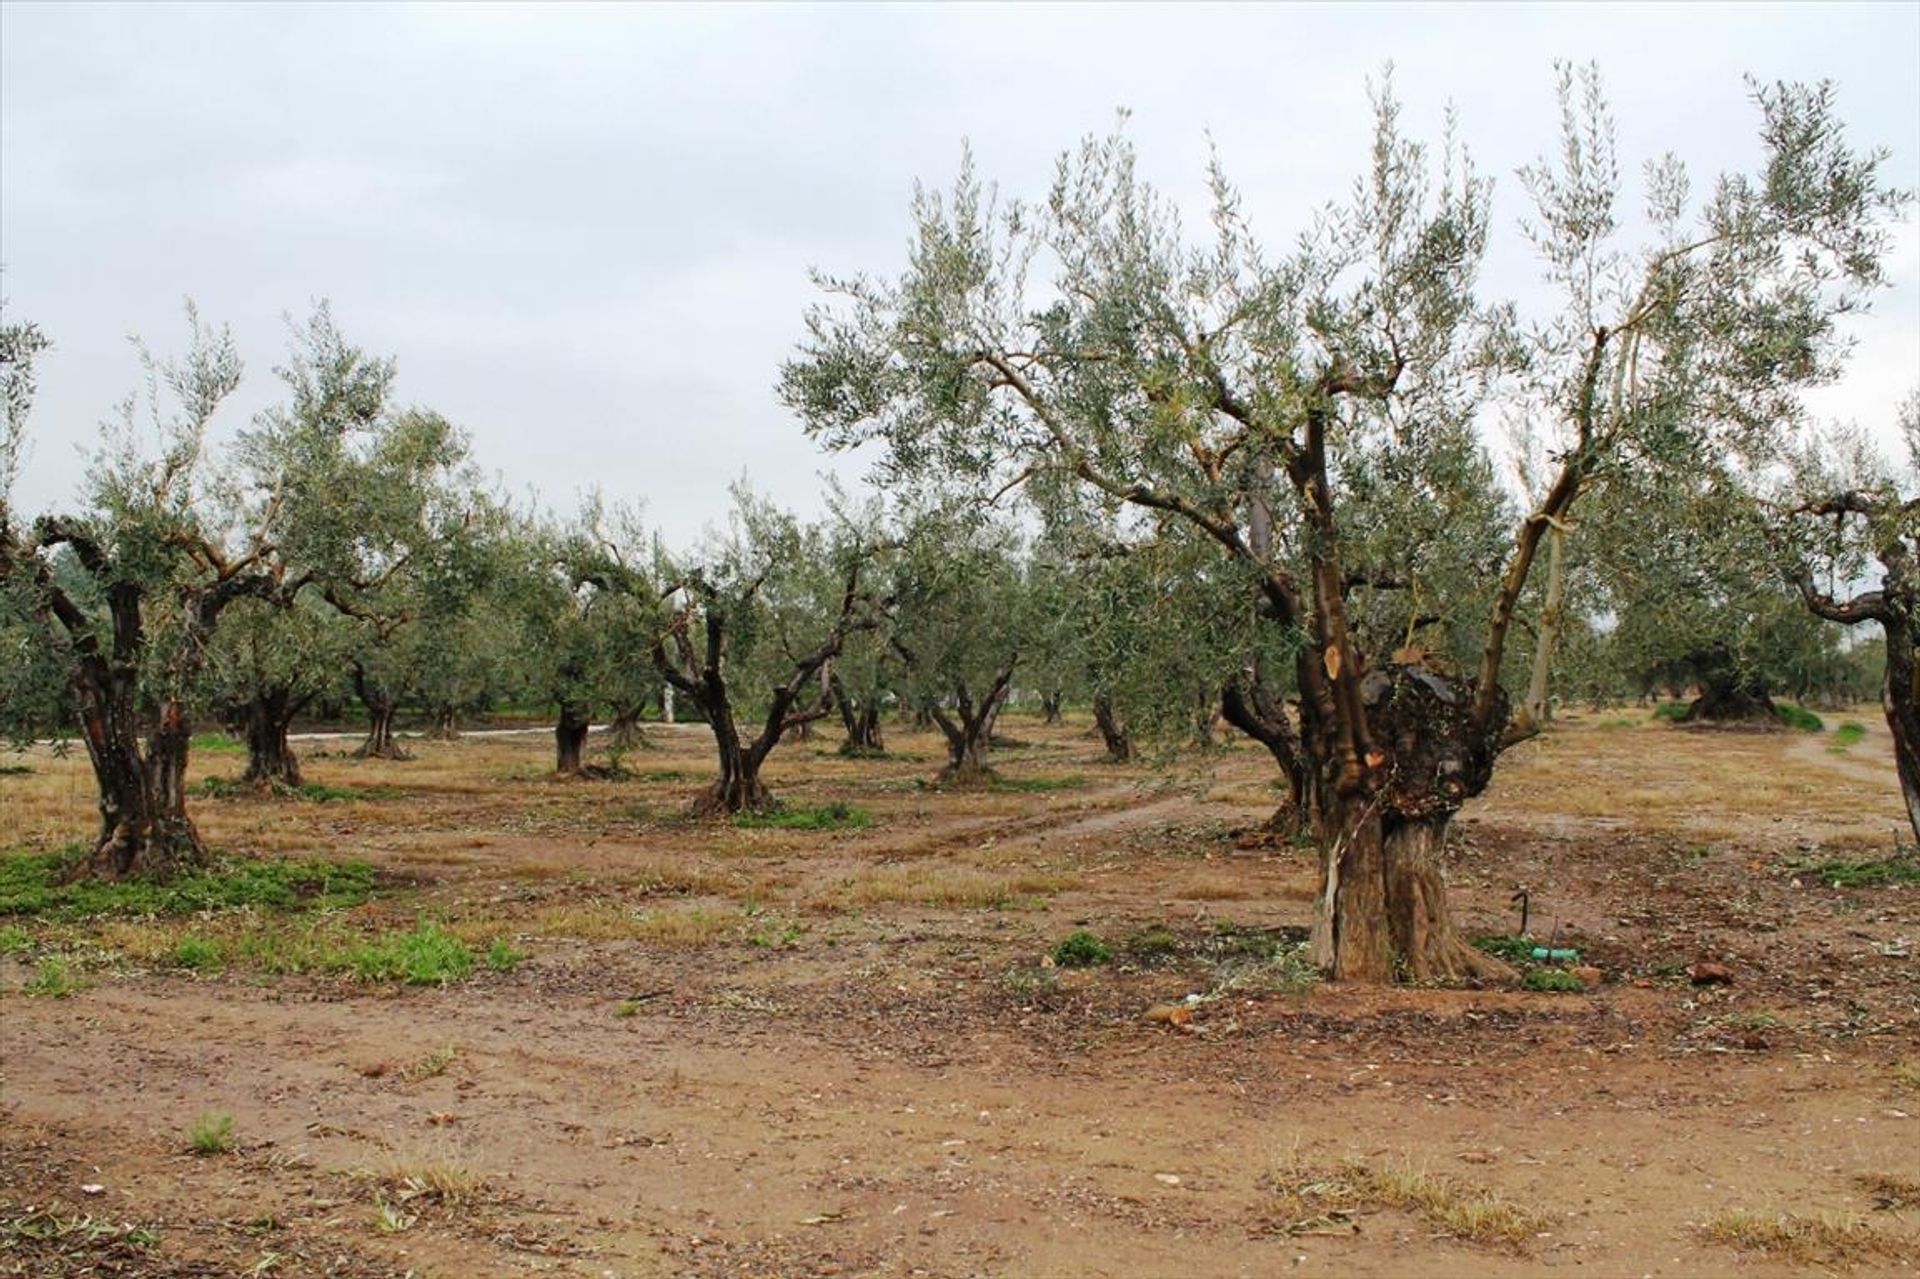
[
  {"x": 570, "y": 740},
  {"x": 1384, "y": 912},
  {"x": 861, "y": 720},
  {"x": 382, "y": 710},
  {"x": 969, "y": 731},
  {"x": 271, "y": 761},
  {"x": 1113, "y": 732}
]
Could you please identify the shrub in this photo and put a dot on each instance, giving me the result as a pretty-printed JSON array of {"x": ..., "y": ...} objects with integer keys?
[
  {"x": 1081, "y": 949},
  {"x": 1799, "y": 717}
]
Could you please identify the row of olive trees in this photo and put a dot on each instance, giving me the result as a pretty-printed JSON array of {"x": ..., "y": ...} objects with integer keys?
[
  {"x": 1246, "y": 483},
  {"x": 345, "y": 548}
]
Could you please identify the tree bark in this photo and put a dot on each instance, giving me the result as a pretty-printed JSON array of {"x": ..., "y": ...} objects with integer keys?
[
  {"x": 969, "y": 732},
  {"x": 144, "y": 827},
  {"x": 446, "y": 724},
  {"x": 1900, "y": 699},
  {"x": 1248, "y": 705},
  {"x": 271, "y": 762},
  {"x": 382, "y": 710},
  {"x": 570, "y": 740},
  {"x": 1050, "y": 707},
  {"x": 860, "y": 720},
  {"x": 1112, "y": 731},
  {"x": 1384, "y": 913},
  {"x": 1727, "y": 694}
]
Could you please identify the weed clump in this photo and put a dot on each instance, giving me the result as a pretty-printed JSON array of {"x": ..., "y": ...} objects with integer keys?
[
  {"x": 427, "y": 956},
  {"x": 1081, "y": 949},
  {"x": 1310, "y": 1199},
  {"x": 1819, "y": 1239},
  {"x": 198, "y": 953},
  {"x": 211, "y": 1134},
  {"x": 52, "y": 979}
]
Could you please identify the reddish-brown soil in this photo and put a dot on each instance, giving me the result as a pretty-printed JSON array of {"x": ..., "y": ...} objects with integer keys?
[{"x": 762, "y": 1052}]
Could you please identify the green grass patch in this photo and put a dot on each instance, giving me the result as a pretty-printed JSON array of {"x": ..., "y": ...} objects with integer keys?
[
  {"x": 33, "y": 885},
  {"x": 427, "y": 956},
  {"x": 1615, "y": 724},
  {"x": 1848, "y": 734},
  {"x": 312, "y": 792},
  {"x": 1671, "y": 712},
  {"x": 1081, "y": 949},
  {"x": 15, "y": 940},
  {"x": 1554, "y": 980},
  {"x": 1515, "y": 950},
  {"x": 211, "y": 1134},
  {"x": 1799, "y": 717},
  {"x": 1866, "y": 874},
  {"x": 198, "y": 953},
  {"x": 1038, "y": 785},
  {"x": 52, "y": 979},
  {"x": 216, "y": 744},
  {"x": 834, "y": 816},
  {"x": 16, "y": 770},
  {"x": 503, "y": 957}
]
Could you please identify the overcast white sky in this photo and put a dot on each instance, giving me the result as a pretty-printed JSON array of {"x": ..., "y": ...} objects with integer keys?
[{"x": 585, "y": 231}]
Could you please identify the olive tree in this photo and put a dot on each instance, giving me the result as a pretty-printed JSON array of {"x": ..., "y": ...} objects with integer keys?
[
  {"x": 381, "y": 505},
  {"x": 1857, "y": 518},
  {"x": 753, "y": 621},
  {"x": 126, "y": 592},
  {"x": 1084, "y": 340}
]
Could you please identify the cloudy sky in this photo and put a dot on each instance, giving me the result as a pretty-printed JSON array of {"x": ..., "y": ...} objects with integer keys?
[{"x": 585, "y": 232}]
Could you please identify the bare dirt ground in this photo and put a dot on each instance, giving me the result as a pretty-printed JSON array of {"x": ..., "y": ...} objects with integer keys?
[{"x": 784, "y": 1052}]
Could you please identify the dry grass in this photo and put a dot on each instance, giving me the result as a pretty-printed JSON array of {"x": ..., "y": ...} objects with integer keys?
[
  {"x": 1309, "y": 1198},
  {"x": 689, "y": 926},
  {"x": 1889, "y": 1192},
  {"x": 1825, "y": 1238},
  {"x": 923, "y": 884},
  {"x": 425, "y": 1177}
]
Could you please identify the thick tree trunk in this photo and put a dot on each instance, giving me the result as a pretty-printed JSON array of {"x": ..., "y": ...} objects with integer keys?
[
  {"x": 570, "y": 740},
  {"x": 1425, "y": 942},
  {"x": 144, "y": 827},
  {"x": 1383, "y": 911},
  {"x": 1732, "y": 702},
  {"x": 969, "y": 733},
  {"x": 1900, "y": 699},
  {"x": 860, "y": 720},
  {"x": 1112, "y": 731},
  {"x": 381, "y": 712},
  {"x": 739, "y": 789},
  {"x": 270, "y": 759},
  {"x": 446, "y": 724},
  {"x": 380, "y": 742}
]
